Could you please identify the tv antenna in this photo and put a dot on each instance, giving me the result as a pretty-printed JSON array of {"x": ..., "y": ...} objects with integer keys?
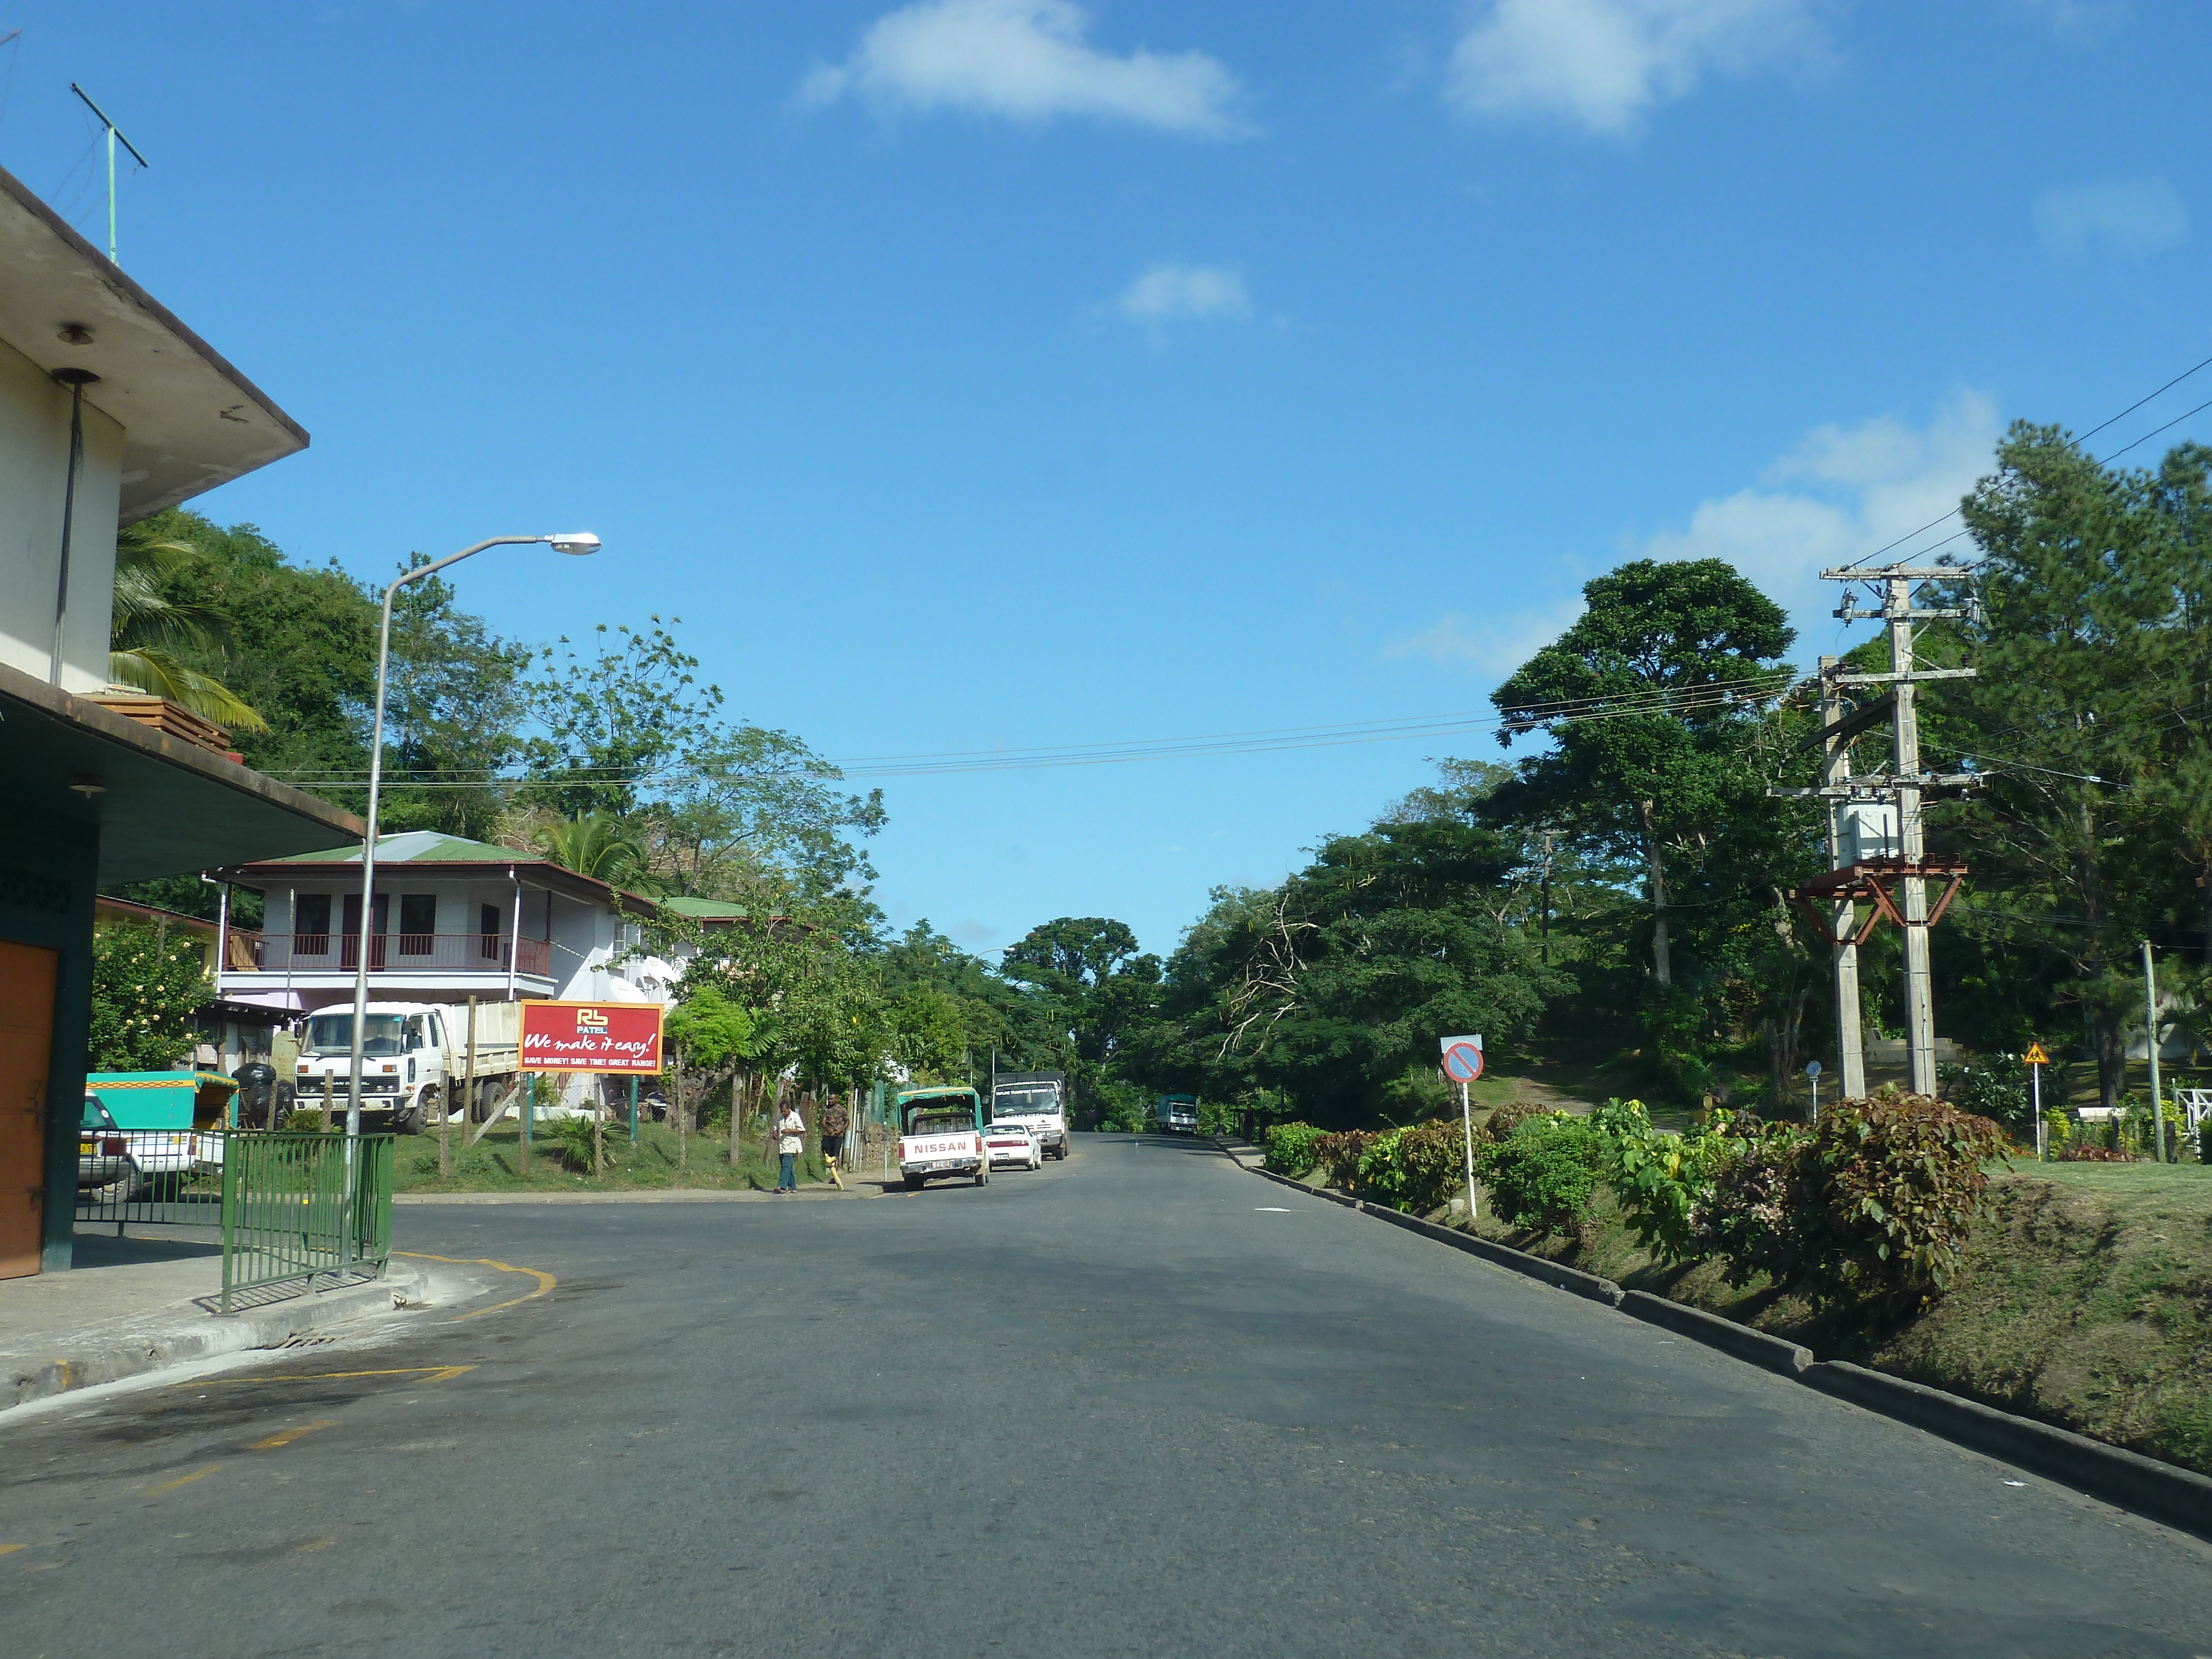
[{"x": 114, "y": 134}]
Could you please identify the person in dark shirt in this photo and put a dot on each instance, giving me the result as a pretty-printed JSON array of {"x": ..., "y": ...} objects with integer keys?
[{"x": 835, "y": 1120}]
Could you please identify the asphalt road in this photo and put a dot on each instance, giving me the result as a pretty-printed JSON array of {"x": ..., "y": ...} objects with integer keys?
[{"x": 1140, "y": 1402}]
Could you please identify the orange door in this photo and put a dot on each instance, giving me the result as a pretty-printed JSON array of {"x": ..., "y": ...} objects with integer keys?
[{"x": 27, "y": 1036}]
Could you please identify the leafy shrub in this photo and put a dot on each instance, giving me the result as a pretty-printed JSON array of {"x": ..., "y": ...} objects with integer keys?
[
  {"x": 146, "y": 988},
  {"x": 1887, "y": 1191},
  {"x": 304, "y": 1120},
  {"x": 2087, "y": 1154},
  {"x": 1543, "y": 1175},
  {"x": 1505, "y": 1120},
  {"x": 1292, "y": 1148},
  {"x": 569, "y": 1140},
  {"x": 1748, "y": 1214},
  {"x": 1995, "y": 1087},
  {"x": 1338, "y": 1155},
  {"x": 1660, "y": 1179},
  {"x": 1416, "y": 1169}
]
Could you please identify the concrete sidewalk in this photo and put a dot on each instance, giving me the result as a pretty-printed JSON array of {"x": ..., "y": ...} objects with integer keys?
[{"x": 140, "y": 1303}]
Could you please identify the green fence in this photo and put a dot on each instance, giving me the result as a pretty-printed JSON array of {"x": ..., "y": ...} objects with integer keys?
[{"x": 286, "y": 1212}]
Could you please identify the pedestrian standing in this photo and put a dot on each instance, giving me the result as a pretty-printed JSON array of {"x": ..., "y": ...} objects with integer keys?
[
  {"x": 834, "y": 1121},
  {"x": 791, "y": 1140}
]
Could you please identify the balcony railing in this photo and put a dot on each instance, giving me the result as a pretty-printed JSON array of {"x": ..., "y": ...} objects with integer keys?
[{"x": 388, "y": 953}]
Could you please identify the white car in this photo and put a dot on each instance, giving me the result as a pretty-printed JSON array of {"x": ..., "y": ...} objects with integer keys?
[{"x": 1015, "y": 1143}]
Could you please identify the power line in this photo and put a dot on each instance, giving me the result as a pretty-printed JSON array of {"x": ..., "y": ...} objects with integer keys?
[
  {"x": 1702, "y": 699},
  {"x": 2084, "y": 438}
]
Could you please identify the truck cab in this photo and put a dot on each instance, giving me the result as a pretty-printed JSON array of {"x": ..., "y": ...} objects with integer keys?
[
  {"x": 413, "y": 1061},
  {"x": 941, "y": 1135},
  {"x": 1038, "y": 1099},
  {"x": 1178, "y": 1114}
]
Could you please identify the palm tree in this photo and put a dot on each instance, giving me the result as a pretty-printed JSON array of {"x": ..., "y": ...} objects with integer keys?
[
  {"x": 599, "y": 845},
  {"x": 148, "y": 625}
]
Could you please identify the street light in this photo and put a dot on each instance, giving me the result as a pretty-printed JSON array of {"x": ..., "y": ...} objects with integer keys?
[{"x": 576, "y": 542}]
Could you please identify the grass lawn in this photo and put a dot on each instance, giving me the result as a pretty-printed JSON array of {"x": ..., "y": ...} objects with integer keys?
[
  {"x": 493, "y": 1165},
  {"x": 2085, "y": 1300}
]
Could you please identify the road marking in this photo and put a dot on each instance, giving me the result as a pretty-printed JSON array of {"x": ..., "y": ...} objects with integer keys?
[
  {"x": 427, "y": 1373},
  {"x": 182, "y": 1480},
  {"x": 545, "y": 1280},
  {"x": 1269, "y": 1209},
  {"x": 286, "y": 1437},
  {"x": 9, "y": 1549}
]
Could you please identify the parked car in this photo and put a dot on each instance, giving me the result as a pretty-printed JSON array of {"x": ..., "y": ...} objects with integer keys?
[
  {"x": 1015, "y": 1143},
  {"x": 941, "y": 1133},
  {"x": 103, "y": 1153}
]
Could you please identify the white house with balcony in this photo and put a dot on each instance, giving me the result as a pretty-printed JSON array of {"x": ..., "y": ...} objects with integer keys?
[{"x": 451, "y": 919}]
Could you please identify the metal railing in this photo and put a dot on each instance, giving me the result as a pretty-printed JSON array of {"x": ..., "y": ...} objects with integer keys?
[
  {"x": 278, "y": 1201},
  {"x": 445, "y": 953},
  {"x": 286, "y": 1212}
]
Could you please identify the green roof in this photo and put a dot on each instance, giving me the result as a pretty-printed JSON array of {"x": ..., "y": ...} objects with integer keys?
[
  {"x": 419, "y": 847},
  {"x": 704, "y": 909}
]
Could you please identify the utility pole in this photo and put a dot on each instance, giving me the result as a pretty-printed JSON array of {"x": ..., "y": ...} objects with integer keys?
[
  {"x": 1836, "y": 771},
  {"x": 2150, "y": 1045},
  {"x": 1903, "y": 786},
  {"x": 114, "y": 136}
]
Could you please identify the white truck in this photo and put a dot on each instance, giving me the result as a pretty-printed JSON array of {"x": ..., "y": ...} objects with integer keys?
[
  {"x": 941, "y": 1134},
  {"x": 415, "y": 1059},
  {"x": 1038, "y": 1099}
]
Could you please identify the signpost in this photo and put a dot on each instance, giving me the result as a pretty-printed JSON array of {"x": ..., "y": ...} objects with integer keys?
[
  {"x": 2037, "y": 1060},
  {"x": 1813, "y": 1077},
  {"x": 1463, "y": 1064}
]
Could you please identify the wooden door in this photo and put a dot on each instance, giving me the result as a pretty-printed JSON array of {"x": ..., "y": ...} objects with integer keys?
[{"x": 26, "y": 1037}]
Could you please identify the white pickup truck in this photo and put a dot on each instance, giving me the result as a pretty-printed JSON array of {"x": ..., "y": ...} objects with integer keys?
[
  {"x": 414, "y": 1061},
  {"x": 941, "y": 1134}
]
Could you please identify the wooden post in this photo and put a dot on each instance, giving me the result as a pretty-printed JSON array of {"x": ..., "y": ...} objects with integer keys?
[
  {"x": 676, "y": 1105},
  {"x": 633, "y": 1108},
  {"x": 737, "y": 1113},
  {"x": 524, "y": 1105},
  {"x": 599, "y": 1131}
]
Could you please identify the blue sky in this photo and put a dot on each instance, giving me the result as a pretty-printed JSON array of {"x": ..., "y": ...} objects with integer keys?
[{"x": 1010, "y": 374}]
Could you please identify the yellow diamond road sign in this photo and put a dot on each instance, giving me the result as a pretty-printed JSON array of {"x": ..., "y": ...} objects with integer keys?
[{"x": 2036, "y": 1056}]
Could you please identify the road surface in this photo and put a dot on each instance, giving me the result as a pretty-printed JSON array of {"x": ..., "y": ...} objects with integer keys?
[{"x": 1137, "y": 1403}]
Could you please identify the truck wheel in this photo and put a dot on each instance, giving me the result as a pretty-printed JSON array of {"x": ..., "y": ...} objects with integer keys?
[
  {"x": 983, "y": 1175},
  {"x": 914, "y": 1184}
]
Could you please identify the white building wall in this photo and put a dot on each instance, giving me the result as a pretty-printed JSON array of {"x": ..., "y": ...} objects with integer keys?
[{"x": 34, "y": 426}]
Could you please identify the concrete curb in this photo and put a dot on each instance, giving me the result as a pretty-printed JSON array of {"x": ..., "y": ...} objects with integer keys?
[
  {"x": 159, "y": 1341},
  {"x": 2164, "y": 1492},
  {"x": 651, "y": 1195},
  {"x": 2179, "y": 1497},
  {"x": 1784, "y": 1358},
  {"x": 1571, "y": 1280}
]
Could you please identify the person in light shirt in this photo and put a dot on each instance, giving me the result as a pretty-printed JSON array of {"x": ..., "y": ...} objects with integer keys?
[{"x": 791, "y": 1140}]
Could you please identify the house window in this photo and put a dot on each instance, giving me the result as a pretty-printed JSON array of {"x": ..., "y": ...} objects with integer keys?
[
  {"x": 488, "y": 927},
  {"x": 418, "y": 924},
  {"x": 311, "y": 924}
]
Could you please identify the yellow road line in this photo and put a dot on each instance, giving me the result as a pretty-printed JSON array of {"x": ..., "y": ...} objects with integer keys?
[
  {"x": 9, "y": 1549},
  {"x": 545, "y": 1280},
  {"x": 286, "y": 1437},
  {"x": 182, "y": 1480},
  {"x": 427, "y": 1373}
]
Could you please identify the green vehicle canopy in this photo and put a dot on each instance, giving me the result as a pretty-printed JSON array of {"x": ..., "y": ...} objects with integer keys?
[{"x": 942, "y": 1102}]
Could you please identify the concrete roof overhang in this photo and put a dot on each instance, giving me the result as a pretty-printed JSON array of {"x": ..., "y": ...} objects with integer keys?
[
  {"x": 189, "y": 421},
  {"x": 164, "y": 807}
]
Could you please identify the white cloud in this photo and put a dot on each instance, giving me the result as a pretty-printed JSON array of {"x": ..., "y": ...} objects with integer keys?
[
  {"x": 1168, "y": 292},
  {"x": 1028, "y": 60},
  {"x": 1603, "y": 65},
  {"x": 1859, "y": 488},
  {"x": 2133, "y": 218},
  {"x": 1492, "y": 646}
]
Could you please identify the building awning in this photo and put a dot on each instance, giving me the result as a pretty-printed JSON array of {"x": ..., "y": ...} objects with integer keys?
[
  {"x": 160, "y": 806},
  {"x": 190, "y": 420}
]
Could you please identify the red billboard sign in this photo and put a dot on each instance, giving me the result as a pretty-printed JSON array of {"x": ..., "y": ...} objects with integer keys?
[{"x": 591, "y": 1036}]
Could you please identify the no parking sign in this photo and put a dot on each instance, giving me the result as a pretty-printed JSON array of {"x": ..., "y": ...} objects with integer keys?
[{"x": 1462, "y": 1058}]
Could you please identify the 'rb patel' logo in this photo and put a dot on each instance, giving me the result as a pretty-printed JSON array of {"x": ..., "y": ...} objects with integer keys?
[{"x": 590, "y": 1021}]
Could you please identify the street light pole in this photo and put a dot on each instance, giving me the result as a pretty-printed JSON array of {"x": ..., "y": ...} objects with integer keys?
[{"x": 580, "y": 543}]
